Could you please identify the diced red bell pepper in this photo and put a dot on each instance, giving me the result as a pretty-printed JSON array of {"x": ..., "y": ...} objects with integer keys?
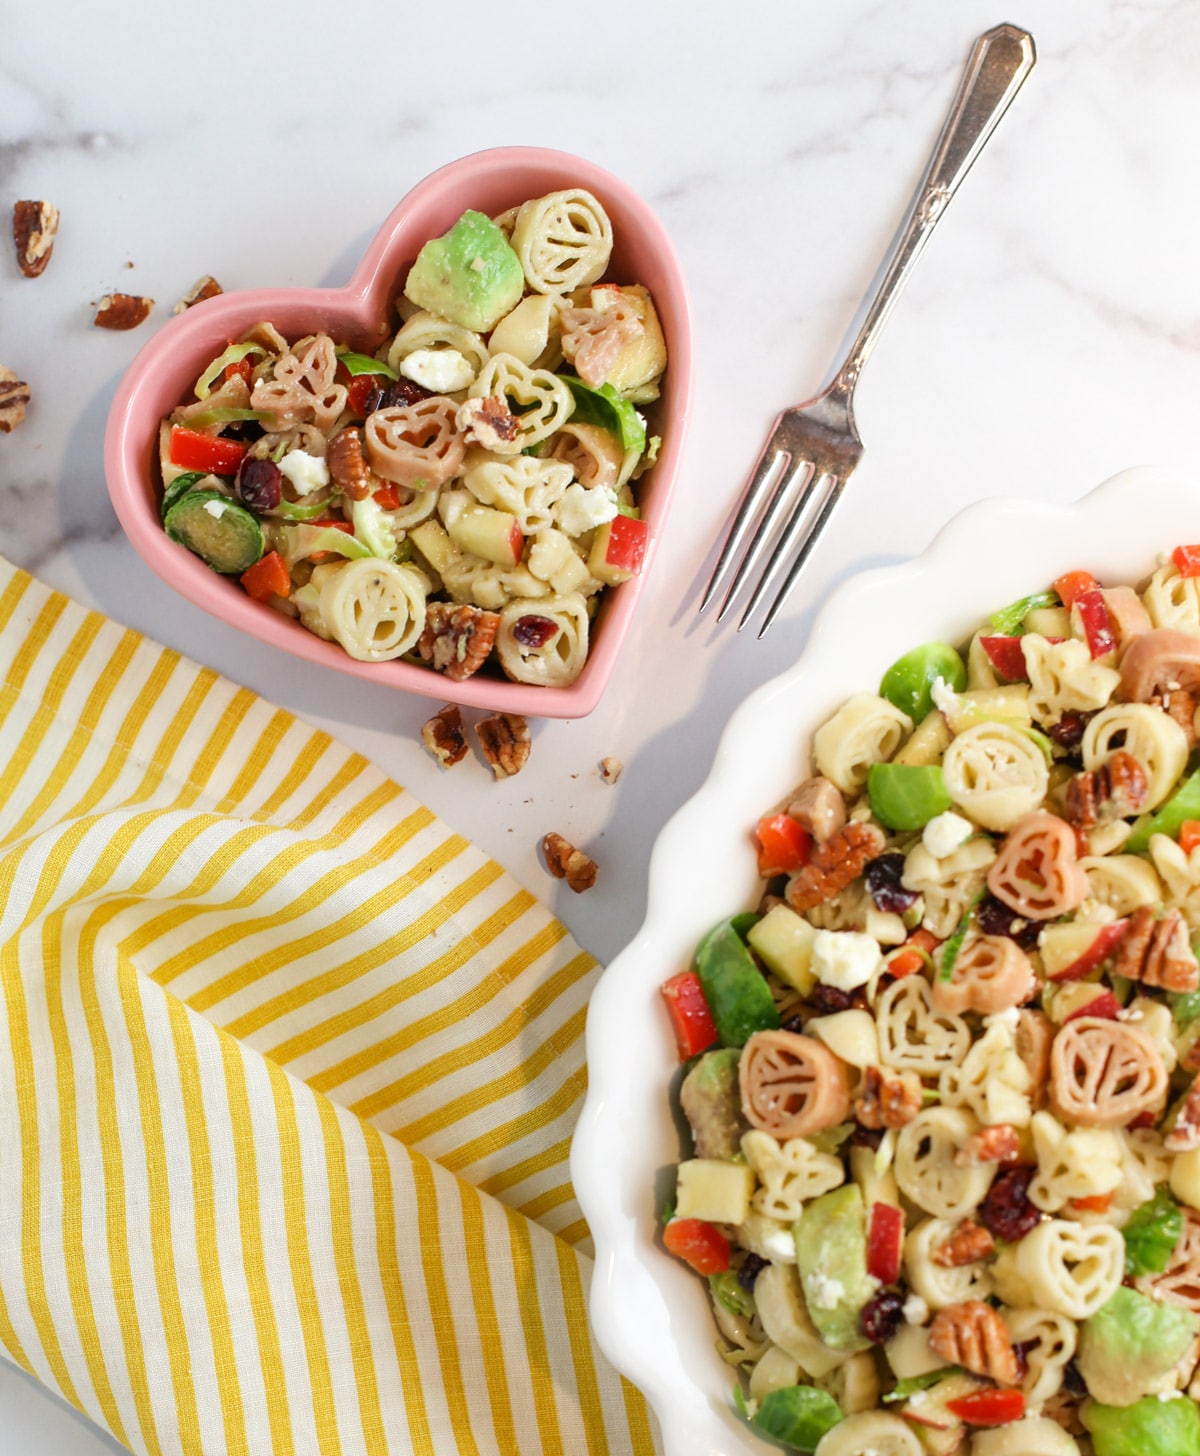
[
  {"x": 783, "y": 845},
  {"x": 1187, "y": 560},
  {"x": 912, "y": 955},
  {"x": 691, "y": 1020},
  {"x": 191, "y": 450},
  {"x": 359, "y": 389},
  {"x": 244, "y": 367},
  {"x": 885, "y": 1242},
  {"x": 700, "y": 1244},
  {"x": 1072, "y": 584},
  {"x": 1093, "y": 1203},
  {"x": 268, "y": 577},
  {"x": 386, "y": 497},
  {"x": 1096, "y": 623},
  {"x": 988, "y": 1407},
  {"x": 1006, "y": 656},
  {"x": 1189, "y": 835}
]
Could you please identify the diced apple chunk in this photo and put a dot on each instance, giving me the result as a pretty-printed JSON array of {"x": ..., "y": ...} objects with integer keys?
[
  {"x": 783, "y": 941},
  {"x": 618, "y": 550},
  {"x": 1070, "y": 952},
  {"x": 713, "y": 1190},
  {"x": 494, "y": 535}
]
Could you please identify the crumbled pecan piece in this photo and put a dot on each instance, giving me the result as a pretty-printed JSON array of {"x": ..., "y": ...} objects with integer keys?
[
  {"x": 887, "y": 1101},
  {"x": 818, "y": 805},
  {"x": 487, "y": 422},
  {"x": 969, "y": 1243},
  {"x": 1000, "y": 1143},
  {"x": 122, "y": 311},
  {"x": 505, "y": 741},
  {"x": 1035, "y": 1036},
  {"x": 974, "y": 1336},
  {"x": 1180, "y": 704},
  {"x": 1185, "y": 1135},
  {"x": 35, "y": 225},
  {"x": 565, "y": 862},
  {"x": 1115, "y": 790},
  {"x": 348, "y": 468},
  {"x": 1157, "y": 952},
  {"x": 610, "y": 769},
  {"x": 457, "y": 639},
  {"x": 204, "y": 287},
  {"x": 833, "y": 865},
  {"x": 14, "y": 396},
  {"x": 443, "y": 736}
]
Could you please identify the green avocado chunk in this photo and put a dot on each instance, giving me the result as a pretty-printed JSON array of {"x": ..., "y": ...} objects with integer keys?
[
  {"x": 1152, "y": 1427},
  {"x": 470, "y": 275},
  {"x": 712, "y": 1104},
  {"x": 831, "y": 1255},
  {"x": 907, "y": 795},
  {"x": 1130, "y": 1343},
  {"x": 908, "y": 683},
  {"x": 738, "y": 997}
]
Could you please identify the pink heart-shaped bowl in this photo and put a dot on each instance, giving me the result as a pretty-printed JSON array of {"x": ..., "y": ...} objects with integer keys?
[{"x": 163, "y": 373}]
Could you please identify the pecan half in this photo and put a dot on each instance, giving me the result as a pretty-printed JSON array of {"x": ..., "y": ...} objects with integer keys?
[
  {"x": 833, "y": 865},
  {"x": 1115, "y": 790},
  {"x": 565, "y": 862},
  {"x": 35, "y": 225},
  {"x": 887, "y": 1101},
  {"x": 14, "y": 396},
  {"x": 1181, "y": 704},
  {"x": 122, "y": 311},
  {"x": 819, "y": 806},
  {"x": 1000, "y": 1143},
  {"x": 969, "y": 1243},
  {"x": 505, "y": 742},
  {"x": 443, "y": 736},
  {"x": 974, "y": 1336},
  {"x": 1185, "y": 1135},
  {"x": 487, "y": 422},
  {"x": 204, "y": 287},
  {"x": 1157, "y": 952},
  {"x": 1035, "y": 1035},
  {"x": 456, "y": 639},
  {"x": 348, "y": 468}
]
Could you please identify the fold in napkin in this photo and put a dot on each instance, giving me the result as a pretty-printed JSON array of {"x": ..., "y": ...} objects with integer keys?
[{"x": 288, "y": 1072}]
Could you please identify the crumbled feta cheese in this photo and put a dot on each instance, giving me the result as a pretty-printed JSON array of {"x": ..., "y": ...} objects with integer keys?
[
  {"x": 1095, "y": 912},
  {"x": 442, "y": 370},
  {"x": 216, "y": 509},
  {"x": 1009, "y": 1018},
  {"x": 824, "y": 1292},
  {"x": 581, "y": 509},
  {"x": 477, "y": 265},
  {"x": 846, "y": 959},
  {"x": 306, "y": 472},
  {"x": 945, "y": 832},
  {"x": 943, "y": 695},
  {"x": 915, "y": 1310}
]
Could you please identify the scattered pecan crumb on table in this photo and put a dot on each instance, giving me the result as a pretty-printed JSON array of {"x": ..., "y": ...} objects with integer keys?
[
  {"x": 14, "y": 396},
  {"x": 610, "y": 769},
  {"x": 35, "y": 225},
  {"x": 565, "y": 862},
  {"x": 204, "y": 287},
  {"x": 122, "y": 311},
  {"x": 505, "y": 742},
  {"x": 444, "y": 737}
]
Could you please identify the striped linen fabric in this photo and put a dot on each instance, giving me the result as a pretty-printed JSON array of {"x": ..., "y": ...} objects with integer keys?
[{"x": 288, "y": 1073}]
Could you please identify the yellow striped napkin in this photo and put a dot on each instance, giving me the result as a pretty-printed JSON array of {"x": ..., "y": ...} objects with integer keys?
[{"x": 288, "y": 1072}]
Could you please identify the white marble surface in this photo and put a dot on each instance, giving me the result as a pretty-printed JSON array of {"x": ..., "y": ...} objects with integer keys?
[{"x": 1050, "y": 336}]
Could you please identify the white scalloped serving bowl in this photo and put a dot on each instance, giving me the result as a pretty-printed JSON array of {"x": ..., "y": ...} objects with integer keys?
[{"x": 650, "y": 1313}]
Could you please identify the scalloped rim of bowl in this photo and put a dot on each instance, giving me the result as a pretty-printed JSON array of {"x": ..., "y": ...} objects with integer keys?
[
  {"x": 649, "y": 1313},
  {"x": 165, "y": 369}
]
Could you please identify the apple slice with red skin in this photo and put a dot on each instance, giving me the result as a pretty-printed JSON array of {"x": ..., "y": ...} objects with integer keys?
[
  {"x": 1007, "y": 656},
  {"x": 618, "y": 550},
  {"x": 1072, "y": 951},
  {"x": 885, "y": 1242},
  {"x": 1084, "y": 998},
  {"x": 494, "y": 535}
]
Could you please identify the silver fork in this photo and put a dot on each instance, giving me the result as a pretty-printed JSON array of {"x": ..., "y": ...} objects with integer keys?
[{"x": 813, "y": 448}]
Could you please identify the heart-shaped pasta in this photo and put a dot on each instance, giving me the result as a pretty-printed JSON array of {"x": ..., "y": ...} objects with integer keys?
[
  {"x": 427, "y": 331},
  {"x": 1047, "y": 1340},
  {"x": 878, "y": 1432},
  {"x": 948, "y": 885},
  {"x": 990, "y": 974},
  {"x": 416, "y": 445},
  {"x": 789, "y": 1173},
  {"x": 1069, "y": 1268},
  {"x": 1105, "y": 1073},
  {"x": 375, "y": 609},
  {"x": 1064, "y": 678},
  {"x": 1072, "y": 1163},
  {"x": 1179, "y": 1283},
  {"x": 865, "y": 730},
  {"x": 592, "y": 340},
  {"x": 1173, "y": 600},
  {"x": 913, "y": 1036},
  {"x": 941, "y": 1285},
  {"x": 542, "y": 401},
  {"x": 991, "y": 1080},
  {"x": 792, "y": 1085},
  {"x": 925, "y": 1168},
  {"x": 544, "y": 640},
  {"x": 528, "y": 487},
  {"x": 1036, "y": 872},
  {"x": 1153, "y": 737},
  {"x": 995, "y": 774},
  {"x": 564, "y": 240},
  {"x": 1123, "y": 881},
  {"x": 301, "y": 389}
]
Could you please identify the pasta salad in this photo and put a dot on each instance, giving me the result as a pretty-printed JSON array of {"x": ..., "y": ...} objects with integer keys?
[
  {"x": 460, "y": 497},
  {"x": 942, "y": 1087}
]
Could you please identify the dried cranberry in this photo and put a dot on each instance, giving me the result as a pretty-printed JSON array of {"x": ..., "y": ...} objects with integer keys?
[
  {"x": 994, "y": 917},
  {"x": 1073, "y": 1380},
  {"x": 882, "y": 879},
  {"x": 1068, "y": 731},
  {"x": 830, "y": 998},
  {"x": 259, "y": 484},
  {"x": 793, "y": 1023},
  {"x": 533, "y": 632},
  {"x": 882, "y": 1316},
  {"x": 752, "y": 1264},
  {"x": 1007, "y": 1211},
  {"x": 866, "y": 1137},
  {"x": 245, "y": 430},
  {"x": 395, "y": 392}
]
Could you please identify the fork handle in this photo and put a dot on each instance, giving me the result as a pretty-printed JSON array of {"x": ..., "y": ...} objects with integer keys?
[{"x": 998, "y": 65}]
